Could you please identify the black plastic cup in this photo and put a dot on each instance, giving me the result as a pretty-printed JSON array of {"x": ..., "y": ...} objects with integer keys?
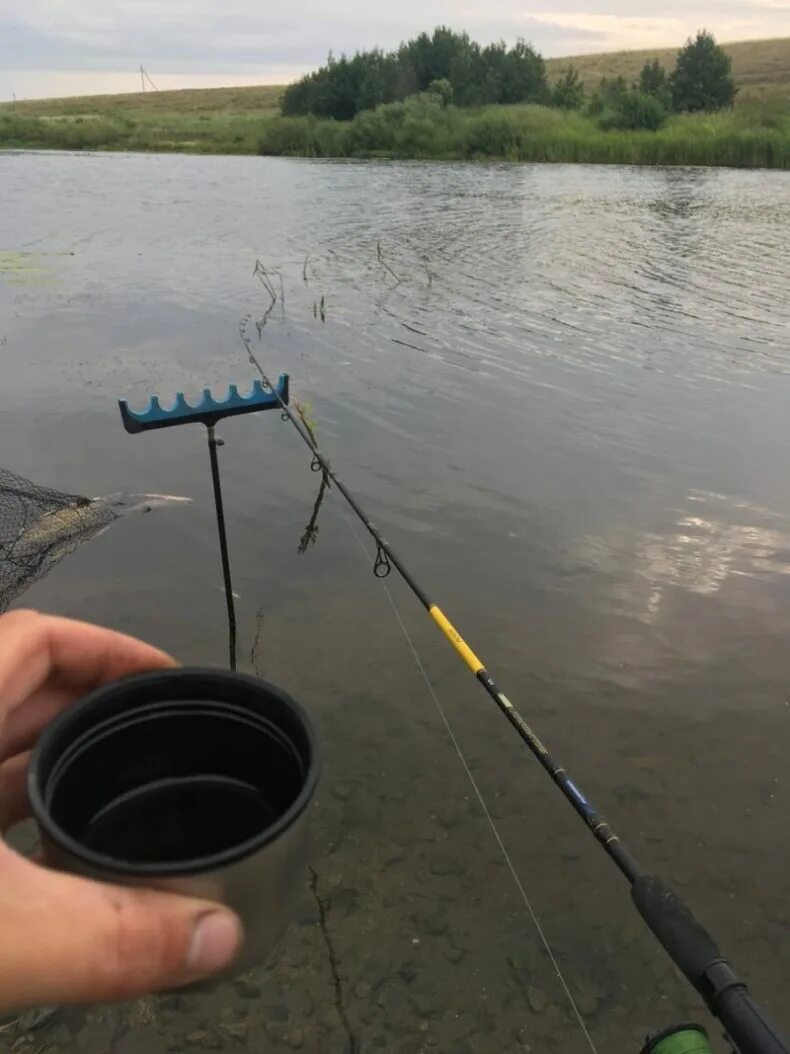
[{"x": 190, "y": 780}]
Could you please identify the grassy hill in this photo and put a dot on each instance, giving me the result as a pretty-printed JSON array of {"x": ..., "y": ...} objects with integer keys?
[
  {"x": 761, "y": 67},
  {"x": 197, "y": 120},
  {"x": 262, "y": 100}
]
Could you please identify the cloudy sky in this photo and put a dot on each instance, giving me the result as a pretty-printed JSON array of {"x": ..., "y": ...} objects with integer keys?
[{"x": 67, "y": 47}]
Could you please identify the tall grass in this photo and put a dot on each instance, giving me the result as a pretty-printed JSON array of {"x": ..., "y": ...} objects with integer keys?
[
  {"x": 218, "y": 133},
  {"x": 419, "y": 128}
]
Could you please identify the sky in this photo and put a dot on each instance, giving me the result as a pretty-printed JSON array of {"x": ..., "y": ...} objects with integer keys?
[{"x": 76, "y": 47}]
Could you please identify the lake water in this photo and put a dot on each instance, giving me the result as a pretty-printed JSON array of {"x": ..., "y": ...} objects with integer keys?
[{"x": 564, "y": 395}]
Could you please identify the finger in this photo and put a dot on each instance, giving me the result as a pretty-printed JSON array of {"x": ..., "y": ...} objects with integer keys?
[
  {"x": 14, "y": 802},
  {"x": 36, "y": 649},
  {"x": 66, "y": 939},
  {"x": 23, "y": 727}
]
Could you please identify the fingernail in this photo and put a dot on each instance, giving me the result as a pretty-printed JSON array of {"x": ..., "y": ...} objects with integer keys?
[{"x": 215, "y": 941}]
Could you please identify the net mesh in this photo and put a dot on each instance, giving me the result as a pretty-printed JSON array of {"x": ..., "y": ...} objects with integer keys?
[{"x": 39, "y": 526}]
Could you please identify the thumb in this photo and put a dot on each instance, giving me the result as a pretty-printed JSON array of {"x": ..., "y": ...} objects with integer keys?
[{"x": 66, "y": 939}]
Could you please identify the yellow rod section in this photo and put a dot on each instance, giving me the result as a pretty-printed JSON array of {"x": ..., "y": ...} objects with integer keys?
[{"x": 455, "y": 638}]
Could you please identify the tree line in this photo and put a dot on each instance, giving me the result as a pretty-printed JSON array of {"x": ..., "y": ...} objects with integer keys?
[
  {"x": 475, "y": 75},
  {"x": 457, "y": 70},
  {"x": 701, "y": 81}
]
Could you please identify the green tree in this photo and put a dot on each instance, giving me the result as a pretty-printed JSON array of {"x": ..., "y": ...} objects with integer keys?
[
  {"x": 652, "y": 78},
  {"x": 633, "y": 110},
  {"x": 523, "y": 76},
  {"x": 653, "y": 81},
  {"x": 702, "y": 78},
  {"x": 343, "y": 87},
  {"x": 607, "y": 96},
  {"x": 443, "y": 89},
  {"x": 568, "y": 91}
]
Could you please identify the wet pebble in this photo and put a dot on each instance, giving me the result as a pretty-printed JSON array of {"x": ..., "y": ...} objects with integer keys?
[
  {"x": 537, "y": 999},
  {"x": 246, "y": 988},
  {"x": 362, "y": 990},
  {"x": 463, "y": 942},
  {"x": 448, "y": 818},
  {"x": 236, "y": 1030},
  {"x": 342, "y": 791},
  {"x": 436, "y": 925},
  {"x": 395, "y": 1003},
  {"x": 275, "y": 1031},
  {"x": 346, "y": 901},
  {"x": 586, "y": 1003},
  {"x": 441, "y": 866},
  {"x": 391, "y": 854},
  {"x": 423, "y": 1004},
  {"x": 295, "y": 1039},
  {"x": 171, "y": 1002},
  {"x": 60, "y": 1036},
  {"x": 587, "y": 995},
  {"x": 412, "y": 1045}
]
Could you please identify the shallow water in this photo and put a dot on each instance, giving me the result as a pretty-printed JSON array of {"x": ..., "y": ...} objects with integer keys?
[{"x": 562, "y": 393}]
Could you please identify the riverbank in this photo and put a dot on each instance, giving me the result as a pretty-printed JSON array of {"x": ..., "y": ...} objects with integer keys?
[
  {"x": 752, "y": 136},
  {"x": 202, "y": 120}
]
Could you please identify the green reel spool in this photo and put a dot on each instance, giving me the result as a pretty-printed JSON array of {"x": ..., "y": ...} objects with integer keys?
[{"x": 679, "y": 1039}]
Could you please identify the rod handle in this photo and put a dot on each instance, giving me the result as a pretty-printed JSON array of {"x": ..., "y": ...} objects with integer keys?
[
  {"x": 696, "y": 954},
  {"x": 688, "y": 943}
]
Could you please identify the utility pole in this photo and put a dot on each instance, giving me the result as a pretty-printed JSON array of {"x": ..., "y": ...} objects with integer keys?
[{"x": 145, "y": 78}]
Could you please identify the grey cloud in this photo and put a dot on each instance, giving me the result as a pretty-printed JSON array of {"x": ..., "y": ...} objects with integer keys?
[{"x": 235, "y": 36}]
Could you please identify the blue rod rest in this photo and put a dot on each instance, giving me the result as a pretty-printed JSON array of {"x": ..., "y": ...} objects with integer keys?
[{"x": 208, "y": 411}]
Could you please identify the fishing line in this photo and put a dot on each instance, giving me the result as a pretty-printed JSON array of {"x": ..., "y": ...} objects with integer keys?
[
  {"x": 475, "y": 787},
  {"x": 682, "y": 936}
]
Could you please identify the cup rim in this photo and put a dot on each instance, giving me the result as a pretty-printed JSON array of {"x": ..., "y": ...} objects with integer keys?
[{"x": 194, "y": 683}]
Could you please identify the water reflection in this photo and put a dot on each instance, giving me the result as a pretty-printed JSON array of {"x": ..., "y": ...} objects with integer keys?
[{"x": 714, "y": 541}]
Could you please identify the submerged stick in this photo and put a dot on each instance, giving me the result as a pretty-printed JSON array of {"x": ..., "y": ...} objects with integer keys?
[{"x": 385, "y": 265}]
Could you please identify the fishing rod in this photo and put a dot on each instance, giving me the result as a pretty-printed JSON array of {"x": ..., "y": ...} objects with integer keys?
[{"x": 692, "y": 949}]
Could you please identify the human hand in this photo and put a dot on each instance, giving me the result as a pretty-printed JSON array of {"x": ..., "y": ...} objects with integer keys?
[{"x": 64, "y": 938}]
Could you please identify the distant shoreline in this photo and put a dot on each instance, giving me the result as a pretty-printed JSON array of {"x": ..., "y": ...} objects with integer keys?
[{"x": 753, "y": 137}]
